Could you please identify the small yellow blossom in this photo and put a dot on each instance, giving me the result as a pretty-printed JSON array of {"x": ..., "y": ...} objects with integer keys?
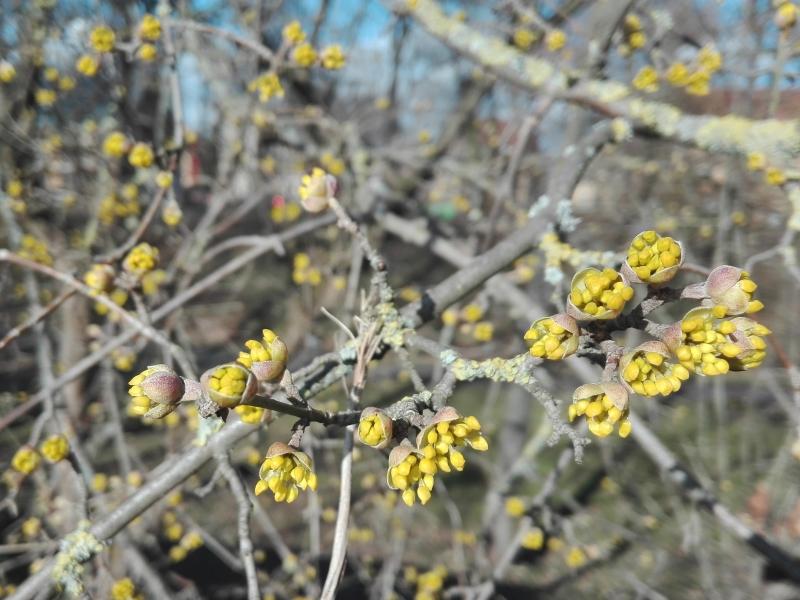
[
  {"x": 31, "y": 528},
  {"x": 141, "y": 259},
  {"x": 774, "y": 176},
  {"x": 99, "y": 483},
  {"x": 304, "y": 55},
  {"x": 450, "y": 317},
  {"x": 164, "y": 179},
  {"x": 637, "y": 40},
  {"x": 293, "y": 32},
  {"x": 709, "y": 59},
  {"x": 483, "y": 331},
  {"x": 55, "y": 448},
  {"x": 605, "y": 405},
  {"x": 124, "y": 589},
  {"x": 7, "y": 72},
  {"x": 472, "y": 313},
  {"x": 316, "y": 190},
  {"x": 66, "y": 83},
  {"x": 334, "y": 166},
  {"x": 524, "y": 38},
  {"x": 250, "y": 414},
  {"x": 172, "y": 214},
  {"x": 87, "y": 65},
  {"x": 515, "y": 506},
  {"x": 333, "y": 57},
  {"x": 14, "y": 188},
  {"x": 45, "y": 97},
  {"x": 124, "y": 359},
  {"x": 652, "y": 258},
  {"x": 115, "y": 144},
  {"x": 141, "y": 155},
  {"x": 25, "y": 460},
  {"x": 374, "y": 428},
  {"x": 147, "y": 52},
  {"x": 756, "y": 161},
  {"x": 555, "y": 40},
  {"x": 646, "y": 79},
  {"x": 285, "y": 472},
  {"x": 699, "y": 83},
  {"x": 102, "y": 38},
  {"x": 35, "y": 250},
  {"x": 267, "y": 85},
  {"x": 150, "y": 28},
  {"x": 533, "y": 539},
  {"x": 677, "y": 74},
  {"x": 575, "y": 558},
  {"x": 598, "y": 294},
  {"x": 648, "y": 372}
]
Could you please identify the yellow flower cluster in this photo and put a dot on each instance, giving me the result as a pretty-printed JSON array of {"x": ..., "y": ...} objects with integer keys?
[
  {"x": 706, "y": 347},
  {"x": 524, "y": 38},
  {"x": 304, "y": 55},
  {"x": 45, "y": 97},
  {"x": 293, "y": 32},
  {"x": 654, "y": 259},
  {"x": 25, "y": 460},
  {"x": 374, "y": 428},
  {"x": 697, "y": 79},
  {"x": 437, "y": 451},
  {"x": 7, "y": 72},
  {"x": 15, "y": 188},
  {"x": 303, "y": 272},
  {"x": 283, "y": 211},
  {"x": 102, "y": 38},
  {"x": 555, "y": 40},
  {"x": 646, "y": 79},
  {"x": 34, "y": 249},
  {"x": 55, "y": 448},
  {"x": 752, "y": 334},
  {"x": 430, "y": 583},
  {"x": 533, "y": 539},
  {"x": 115, "y": 144},
  {"x": 285, "y": 472},
  {"x": 333, "y": 58},
  {"x": 118, "y": 296},
  {"x": 172, "y": 214},
  {"x": 648, "y": 372},
  {"x": 605, "y": 405},
  {"x": 141, "y": 155},
  {"x": 112, "y": 208},
  {"x": 141, "y": 259},
  {"x": 230, "y": 381},
  {"x": 250, "y": 414},
  {"x": 87, "y": 65},
  {"x": 601, "y": 294},
  {"x": 635, "y": 37},
  {"x": 785, "y": 14},
  {"x": 553, "y": 337},
  {"x": 124, "y": 589},
  {"x": 147, "y": 52},
  {"x": 150, "y": 28},
  {"x": 334, "y": 166},
  {"x": 267, "y": 85},
  {"x": 99, "y": 277}
]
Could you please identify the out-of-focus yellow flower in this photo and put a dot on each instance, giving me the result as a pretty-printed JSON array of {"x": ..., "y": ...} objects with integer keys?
[
  {"x": 115, "y": 144},
  {"x": 55, "y": 448},
  {"x": 646, "y": 79},
  {"x": 293, "y": 32},
  {"x": 285, "y": 472},
  {"x": 25, "y": 460},
  {"x": 45, "y": 97},
  {"x": 7, "y": 72},
  {"x": 141, "y": 155},
  {"x": 102, "y": 38},
  {"x": 555, "y": 40},
  {"x": 87, "y": 65},
  {"x": 267, "y": 85},
  {"x": 141, "y": 259},
  {"x": 333, "y": 57},
  {"x": 150, "y": 28},
  {"x": 304, "y": 55},
  {"x": 147, "y": 52},
  {"x": 524, "y": 38}
]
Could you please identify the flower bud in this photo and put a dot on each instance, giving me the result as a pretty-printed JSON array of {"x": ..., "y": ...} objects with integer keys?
[
  {"x": 404, "y": 473},
  {"x": 786, "y": 15},
  {"x": 25, "y": 460},
  {"x": 100, "y": 278},
  {"x": 55, "y": 448},
  {"x": 604, "y": 405},
  {"x": 156, "y": 392},
  {"x": 141, "y": 259},
  {"x": 374, "y": 427},
  {"x": 749, "y": 334},
  {"x": 445, "y": 433},
  {"x": 316, "y": 190},
  {"x": 702, "y": 342},
  {"x": 646, "y": 370},
  {"x": 285, "y": 472},
  {"x": 652, "y": 259},
  {"x": 229, "y": 385},
  {"x": 554, "y": 337},
  {"x": 731, "y": 291},
  {"x": 598, "y": 294},
  {"x": 267, "y": 358}
]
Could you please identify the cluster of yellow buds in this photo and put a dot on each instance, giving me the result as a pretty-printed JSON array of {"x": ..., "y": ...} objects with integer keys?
[
  {"x": 303, "y": 272},
  {"x": 150, "y": 28},
  {"x": 316, "y": 190},
  {"x": 266, "y": 358},
  {"x": 229, "y": 385},
  {"x": 785, "y": 15},
  {"x": 374, "y": 427},
  {"x": 553, "y": 338},
  {"x": 524, "y": 38},
  {"x": 652, "y": 259},
  {"x": 25, "y": 460},
  {"x": 124, "y": 589},
  {"x": 100, "y": 278},
  {"x": 172, "y": 214},
  {"x": 55, "y": 448},
  {"x": 141, "y": 259},
  {"x": 87, "y": 65},
  {"x": 102, "y": 39},
  {"x": 293, "y": 33},
  {"x": 404, "y": 473},
  {"x": 115, "y": 144},
  {"x": 252, "y": 415},
  {"x": 7, "y": 72},
  {"x": 34, "y": 249},
  {"x": 156, "y": 392},
  {"x": 304, "y": 55},
  {"x": 605, "y": 405},
  {"x": 285, "y": 472},
  {"x": 702, "y": 342},
  {"x": 112, "y": 207},
  {"x": 268, "y": 86},
  {"x": 648, "y": 372},
  {"x": 634, "y": 35},
  {"x": 141, "y": 155},
  {"x": 333, "y": 57},
  {"x": 596, "y": 294},
  {"x": 555, "y": 40},
  {"x": 646, "y": 79},
  {"x": 750, "y": 335},
  {"x": 282, "y": 211}
]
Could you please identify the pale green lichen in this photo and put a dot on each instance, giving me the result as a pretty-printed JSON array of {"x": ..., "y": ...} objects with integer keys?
[
  {"x": 607, "y": 91},
  {"x": 393, "y": 332},
  {"x": 507, "y": 370},
  {"x": 661, "y": 117},
  {"x": 732, "y": 133},
  {"x": 76, "y": 549}
]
